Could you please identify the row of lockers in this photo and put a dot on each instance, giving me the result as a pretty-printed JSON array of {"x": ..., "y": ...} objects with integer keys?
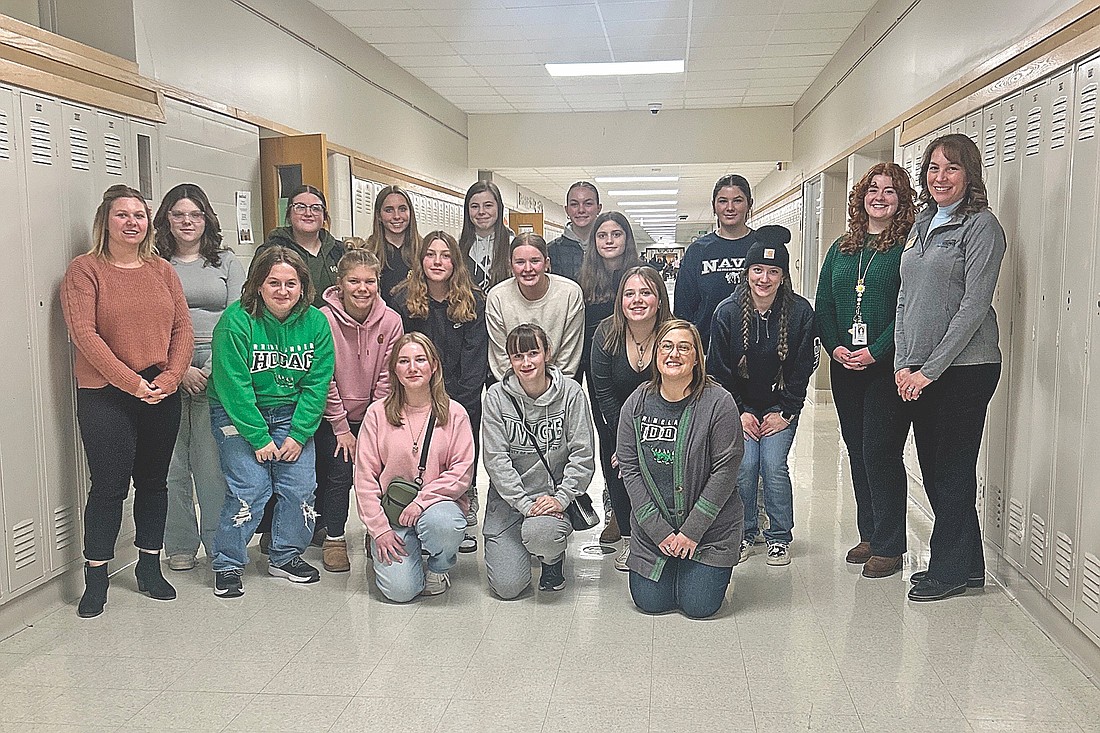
[
  {"x": 56, "y": 159},
  {"x": 1037, "y": 474},
  {"x": 432, "y": 212}
]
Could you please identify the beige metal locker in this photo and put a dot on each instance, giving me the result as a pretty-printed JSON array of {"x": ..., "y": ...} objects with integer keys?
[
  {"x": 362, "y": 210},
  {"x": 24, "y": 546},
  {"x": 1074, "y": 309}
]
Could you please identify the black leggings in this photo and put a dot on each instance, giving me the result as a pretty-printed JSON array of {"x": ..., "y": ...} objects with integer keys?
[{"x": 125, "y": 438}]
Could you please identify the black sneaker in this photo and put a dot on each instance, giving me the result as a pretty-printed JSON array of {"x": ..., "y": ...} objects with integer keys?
[
  {"x": 974, "y": 581},
  {"x": 227, "y": 583},
  {"x": 553, "y": 576},
  {"x": 296, "y": 570}
]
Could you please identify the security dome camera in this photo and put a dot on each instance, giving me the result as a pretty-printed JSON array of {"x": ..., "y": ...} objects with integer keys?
[{"x": 654, "y": 108}]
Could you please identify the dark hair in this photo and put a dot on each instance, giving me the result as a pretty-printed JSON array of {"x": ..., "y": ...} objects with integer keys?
[
  {"x": 100, "y": 232},
  {"x": 252, "y": 301},
  {"x": 210, "y": 247},
  {"x": 731, "y": 180},
  {"x": 615, "y": 341},
  {"x": 899, "y": 226},
  {"x": 377, "y": 239},
  {"x": 961, "y": 150},
  {"x": 784, "y": 299},
  {"x": 298, "y": 191},
  {"x": 527, "y": 337},
  {"x": 500, "y": 268},
  {"x": 461, "y": 298},
  {"x": 597, "y": 279},
  {"x": 584, "y": 184}
]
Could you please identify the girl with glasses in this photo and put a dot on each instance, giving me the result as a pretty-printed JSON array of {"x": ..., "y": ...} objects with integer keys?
[
  {"x": 679, "y": 449},
  {"x": 189, "y": 236}
]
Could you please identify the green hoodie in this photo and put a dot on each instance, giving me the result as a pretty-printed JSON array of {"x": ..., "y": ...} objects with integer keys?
[
  {"x": 322, "y": 267},
  {"x": 262, "y": 362}
]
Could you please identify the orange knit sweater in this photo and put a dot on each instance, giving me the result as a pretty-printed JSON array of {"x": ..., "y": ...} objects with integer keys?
[{"x": 126, "y": 320}]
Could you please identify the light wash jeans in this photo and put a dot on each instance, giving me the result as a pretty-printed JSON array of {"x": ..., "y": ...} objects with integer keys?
[
  {"x": 439, "y": 531},
  {"x": 767, "y": 459},
  {"x": 251, "y": 483},
  {"x": 195, "y": 472}
]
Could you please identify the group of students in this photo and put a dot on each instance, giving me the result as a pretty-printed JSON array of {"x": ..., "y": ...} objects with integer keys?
[{"x": 363, "y": 365}]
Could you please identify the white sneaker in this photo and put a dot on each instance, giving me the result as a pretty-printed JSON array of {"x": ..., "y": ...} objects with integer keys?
[
  {"x": 624, "y": 555},
  {"x": 748, "y": 549},
  {"x": 779, "y": 553},
  {"x": 435, "y": 584}
]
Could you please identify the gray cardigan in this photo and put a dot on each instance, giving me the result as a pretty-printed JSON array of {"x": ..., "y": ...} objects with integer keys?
[
  {"x": 713, "y": 514},
  {"x": 945, "y": 308}
]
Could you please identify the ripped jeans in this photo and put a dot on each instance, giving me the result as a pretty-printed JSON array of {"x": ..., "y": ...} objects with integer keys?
[{"x": 250, "y": 484}]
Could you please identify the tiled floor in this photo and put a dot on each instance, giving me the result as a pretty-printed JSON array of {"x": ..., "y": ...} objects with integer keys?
[{"x": 813, "y": 646}]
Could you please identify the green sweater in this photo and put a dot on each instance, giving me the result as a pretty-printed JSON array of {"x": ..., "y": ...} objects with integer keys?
[
  {"x": 836, "y": 297},
  {"x": 262, "y": 362}
]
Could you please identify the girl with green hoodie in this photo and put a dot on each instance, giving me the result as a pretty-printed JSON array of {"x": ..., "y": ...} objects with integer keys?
[{"x": 272, "y": 364}]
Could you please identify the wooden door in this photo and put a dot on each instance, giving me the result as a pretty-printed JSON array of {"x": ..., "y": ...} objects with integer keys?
[{"x": 287, "y": 162}]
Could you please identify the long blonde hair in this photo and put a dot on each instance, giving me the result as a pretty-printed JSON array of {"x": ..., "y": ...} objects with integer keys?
[
  {"x": 461, "y": 298},
  {"x": 100, "y": 234},
  {"x": 396, "y": 400}
]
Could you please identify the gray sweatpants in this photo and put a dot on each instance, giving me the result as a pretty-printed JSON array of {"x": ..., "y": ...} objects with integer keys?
[{"x": 508, "y": 553}]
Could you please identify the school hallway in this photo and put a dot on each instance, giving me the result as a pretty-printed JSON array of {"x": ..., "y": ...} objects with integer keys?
[{"x": 810, "y": 646}]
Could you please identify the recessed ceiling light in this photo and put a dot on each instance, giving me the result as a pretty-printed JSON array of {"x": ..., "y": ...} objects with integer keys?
[
  {"x": 637, "y": 179},
  {"x": 617, "y": 68},
  {"x": 649, "y": 192},
  {"x": 629, "y": 204}
]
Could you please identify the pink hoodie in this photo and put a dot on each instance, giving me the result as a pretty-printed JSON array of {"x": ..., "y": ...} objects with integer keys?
[
  {"x": 362, "y": 352},
  {"x": 384, "y": 452}
]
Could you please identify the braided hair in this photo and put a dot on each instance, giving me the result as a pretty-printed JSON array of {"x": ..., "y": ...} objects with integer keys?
[{"x": 784, "y": 298}]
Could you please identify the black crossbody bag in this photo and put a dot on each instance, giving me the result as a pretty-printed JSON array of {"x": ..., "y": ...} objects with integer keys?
[{"x": 580, "y": 512}]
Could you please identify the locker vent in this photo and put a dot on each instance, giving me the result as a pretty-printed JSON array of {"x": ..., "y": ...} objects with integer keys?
[
  {"x": 5, "y": 136},
  {"x": 1009, "y": 152},
  {"x": 79, "y": 152},
  {"x": 994, "y": 503},
  {"x": 41, "y": 142},
  {"x": 1058, "y": 122},
  {"x": 1063, "y": 558},
  {"x": 23, "y": 544},
  {"x": 1038, "y": 539},
  {"x": 989, "y": 152},
  {"x": 64, "y": 526},
  {"x": 112, "y": 154},
  {"x": 1016, "y": 521},
  {"x": 1086, "y": 126},
  {"x": 974, "y": 133},
  {"x": 1090, "y": 582},
  {"x": 1034, "y": 131}
]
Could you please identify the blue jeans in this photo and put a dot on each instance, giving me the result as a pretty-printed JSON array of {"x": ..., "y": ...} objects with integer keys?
[
  {"x": 767, "y": 459},
  {"x": 251, "y": 483},
  {"x": 697, "y": 590},
  {"x": 439, "y": 531}
]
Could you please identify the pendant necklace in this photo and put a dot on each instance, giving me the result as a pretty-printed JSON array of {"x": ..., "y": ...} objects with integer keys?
[
  {"x": 419, "y": 434},
  {"x": 859, "y": 329},
  {"x": 638, "y": 345}
]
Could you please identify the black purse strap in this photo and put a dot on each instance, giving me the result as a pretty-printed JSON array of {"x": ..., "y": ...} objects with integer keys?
[
  {"x": 531, "y": 435},
  {"x": 424, "y": 450}
]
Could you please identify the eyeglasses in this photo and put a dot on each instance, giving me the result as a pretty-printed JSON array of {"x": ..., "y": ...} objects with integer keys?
[
  {"x": 299, "y": 208},
  {"x": 186, "y": 215},
  {"x": 683, "y": 347}
]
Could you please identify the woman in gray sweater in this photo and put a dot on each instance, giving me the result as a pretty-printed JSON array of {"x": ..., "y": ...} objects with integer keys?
[
  {"x": 947, "y": 361},
  {"x": 679, "y": 447}
]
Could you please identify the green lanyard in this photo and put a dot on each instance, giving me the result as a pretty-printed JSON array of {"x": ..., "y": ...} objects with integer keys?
[{"x": 682, "y": 428}]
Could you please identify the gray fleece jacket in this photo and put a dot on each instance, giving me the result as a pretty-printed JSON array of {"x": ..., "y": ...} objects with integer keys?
[
  {"x": 710, "y": 511},
  {"x": 562, "y": 423},
  {"x": 945, "y": 308}
]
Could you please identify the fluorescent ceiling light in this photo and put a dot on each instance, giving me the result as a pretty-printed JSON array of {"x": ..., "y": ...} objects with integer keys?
[
  {"x": 646, "y": 192},
  {"x": 630, "y": 204},
  {"x": 655, "y": 210},
  {"x": 617, "y": 68},
  {"x": 637, "y": 179}
]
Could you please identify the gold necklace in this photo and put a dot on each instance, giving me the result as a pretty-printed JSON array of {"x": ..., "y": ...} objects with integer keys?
[{"x": 419, "y": 434}]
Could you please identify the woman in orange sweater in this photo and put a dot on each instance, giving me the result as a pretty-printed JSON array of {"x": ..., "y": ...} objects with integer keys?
[{"x": 128, "y": 318}]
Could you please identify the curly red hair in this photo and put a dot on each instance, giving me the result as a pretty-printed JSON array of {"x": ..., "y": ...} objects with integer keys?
[{"x": 857, "y": 215}]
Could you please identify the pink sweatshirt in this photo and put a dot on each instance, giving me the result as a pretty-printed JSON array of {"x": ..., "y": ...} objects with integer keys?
[
  {"x": 362, "y": 352},
  {"x": 384, "y": 452}
]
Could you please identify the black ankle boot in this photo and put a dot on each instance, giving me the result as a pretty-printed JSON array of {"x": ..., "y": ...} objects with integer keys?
[
  {"x": 95, "y": 591},
  {"x": 149, "y": 578}
]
